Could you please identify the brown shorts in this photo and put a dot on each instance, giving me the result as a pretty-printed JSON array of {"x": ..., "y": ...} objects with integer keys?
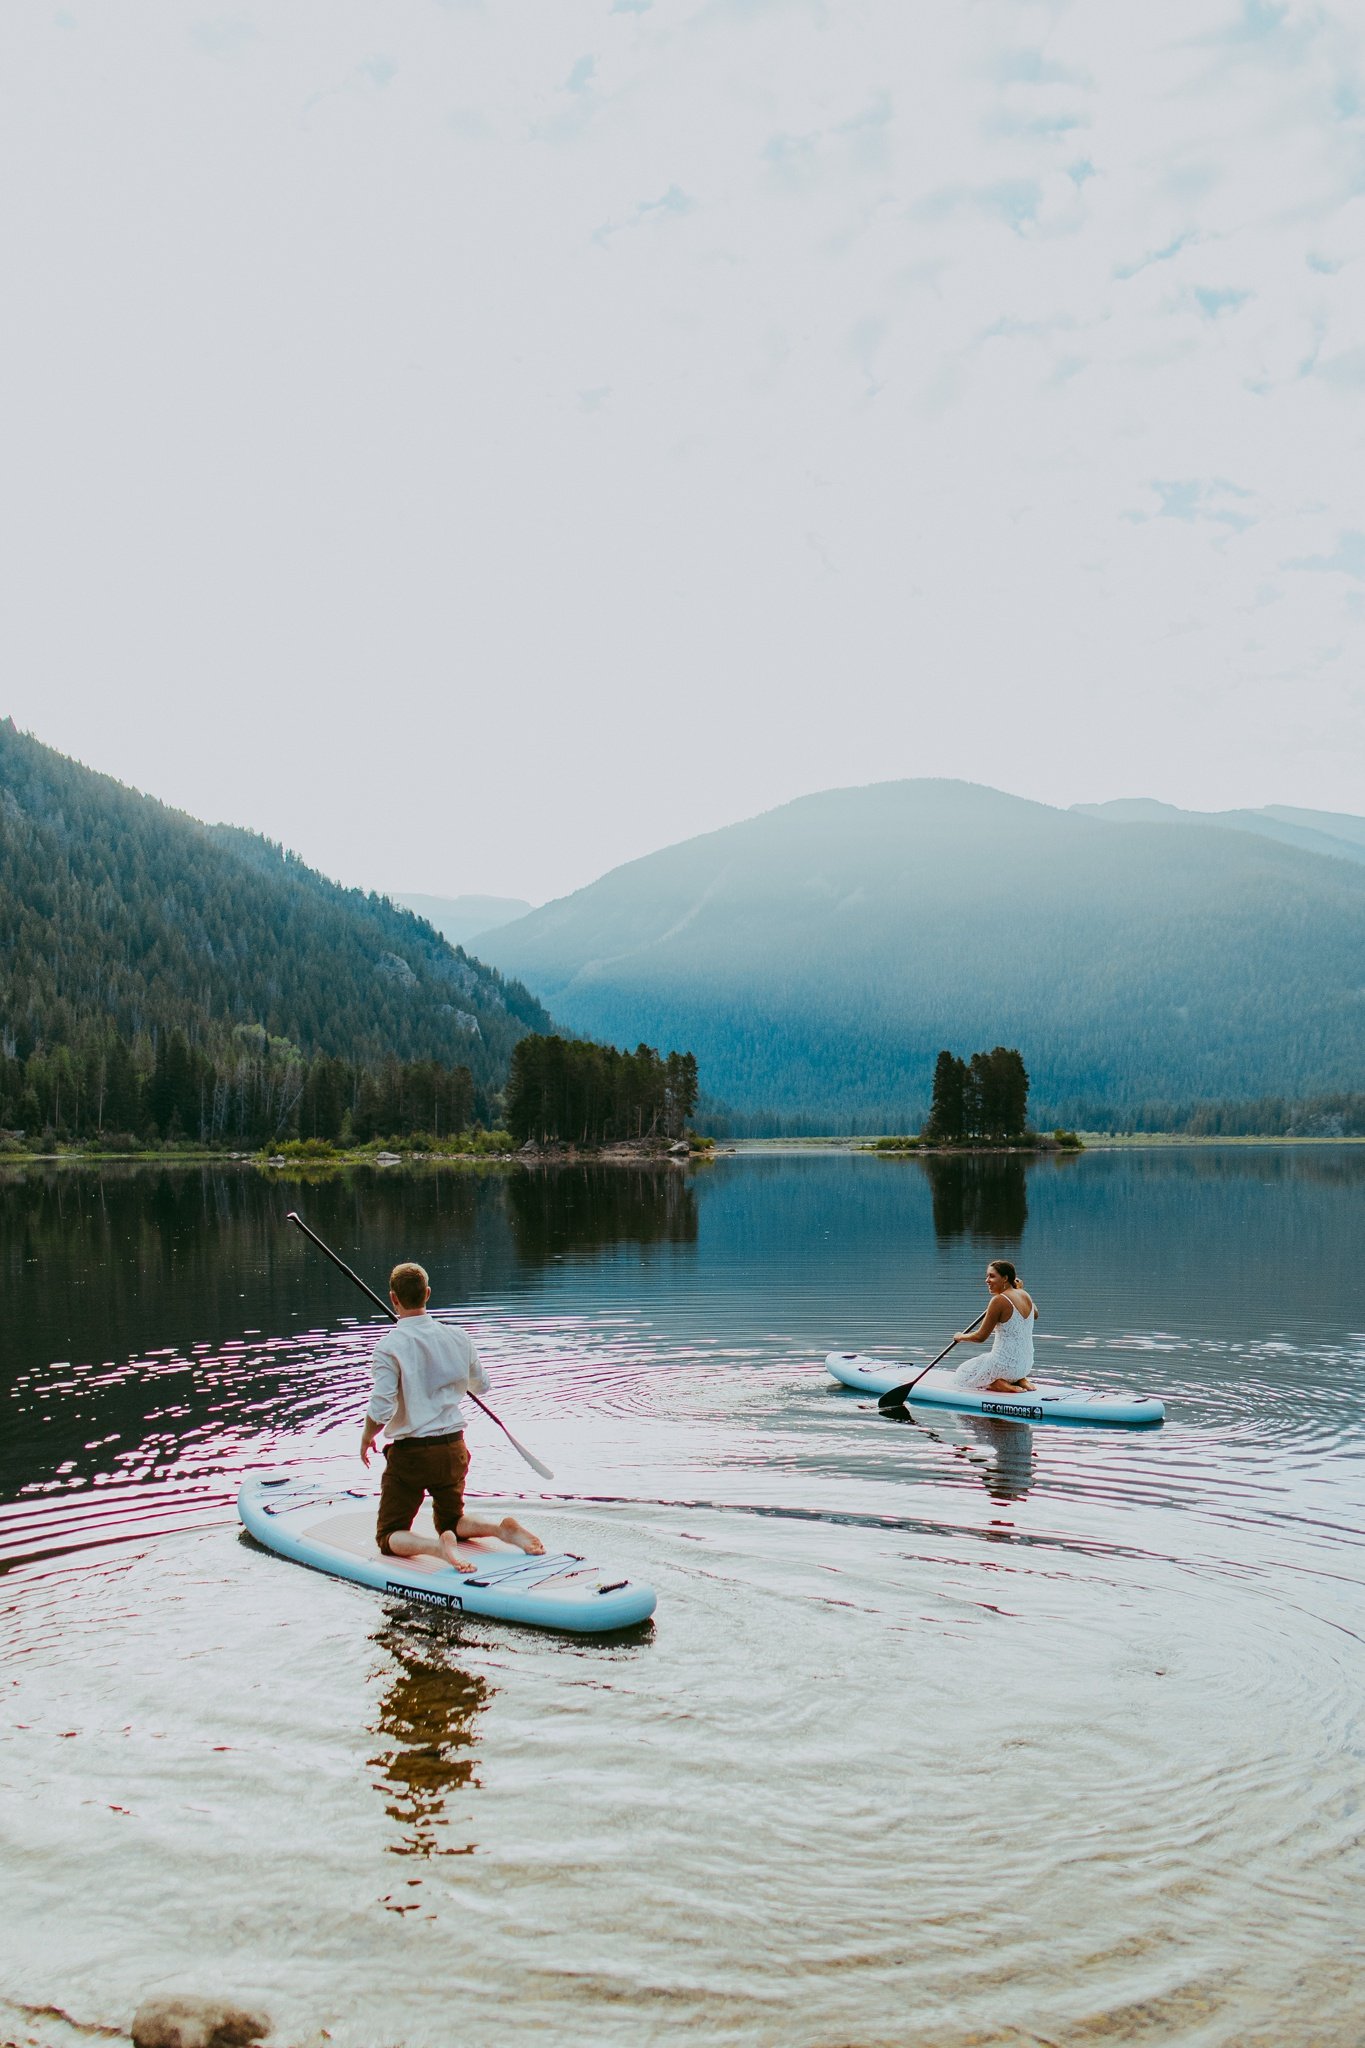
[{"x": 415, "y": 1466}]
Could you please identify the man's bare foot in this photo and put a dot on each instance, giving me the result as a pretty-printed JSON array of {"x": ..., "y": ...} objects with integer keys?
[
  {"x": 450, "y": 1551},
  {"x": 511, "y": 1531}
]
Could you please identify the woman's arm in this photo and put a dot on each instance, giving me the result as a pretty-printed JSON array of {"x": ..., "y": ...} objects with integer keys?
[{"x": 988, "y": 1322}]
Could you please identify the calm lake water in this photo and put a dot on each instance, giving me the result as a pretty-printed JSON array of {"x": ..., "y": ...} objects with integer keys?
[{"x": 947, "y": 1731}]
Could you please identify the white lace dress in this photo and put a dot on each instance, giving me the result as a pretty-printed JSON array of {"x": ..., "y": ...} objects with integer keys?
[{"x": 1010, "y": 1356}]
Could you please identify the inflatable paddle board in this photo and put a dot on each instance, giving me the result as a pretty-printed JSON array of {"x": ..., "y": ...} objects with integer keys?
[
  {"x": 332, "y": 1530},
  {"x": 1047, "y": 1403}
]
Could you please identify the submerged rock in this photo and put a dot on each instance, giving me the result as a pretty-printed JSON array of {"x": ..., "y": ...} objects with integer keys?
[{"x": 196, "y": 2023}]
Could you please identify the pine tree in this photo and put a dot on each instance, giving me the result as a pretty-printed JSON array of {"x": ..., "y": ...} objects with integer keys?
[{"x": 948, "y": 1107}]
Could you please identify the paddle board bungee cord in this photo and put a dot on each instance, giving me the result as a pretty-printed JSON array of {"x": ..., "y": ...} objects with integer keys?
[{"x": 331, "y": 1529}]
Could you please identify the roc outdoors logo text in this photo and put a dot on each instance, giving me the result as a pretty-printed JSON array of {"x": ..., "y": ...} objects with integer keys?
[{"x": 430, "y": 1594}]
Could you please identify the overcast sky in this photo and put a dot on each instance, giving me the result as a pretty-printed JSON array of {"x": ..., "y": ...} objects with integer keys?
[{"x": 478, "y": 444}]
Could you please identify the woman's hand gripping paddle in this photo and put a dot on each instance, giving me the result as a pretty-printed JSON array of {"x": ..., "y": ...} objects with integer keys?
[
  {"x": 532, "y": 1460},
  {"x": 894, "y": 1397}
]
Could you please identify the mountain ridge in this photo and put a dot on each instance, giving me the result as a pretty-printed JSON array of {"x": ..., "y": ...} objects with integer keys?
[
  {"x": 117, "y": 910},
  {"x": 816, "y": 957},
  {"x": 1321, "y": 832}
]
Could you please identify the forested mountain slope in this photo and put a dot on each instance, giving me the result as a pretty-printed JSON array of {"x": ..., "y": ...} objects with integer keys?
[
  {"x": 119, "y": 914},
  {"x": 817, "y": 958}
]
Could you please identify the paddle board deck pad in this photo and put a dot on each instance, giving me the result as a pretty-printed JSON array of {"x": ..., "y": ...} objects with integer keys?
[
  {"x": 1047, "y": 1403},
  {"x": 332, "y": 1530}
]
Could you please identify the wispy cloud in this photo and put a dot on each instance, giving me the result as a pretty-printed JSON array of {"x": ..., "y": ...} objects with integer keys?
[
  {"x": 1024, "y": 66},
  {"x": 858, "y": 142},
  {"x": 1215, "y": 300},
  {"x": 1008, "y": 123},
  {"x": 1166, "y": 254},
  {"x": 1347, "y": 368},
  {"x": 670, "y": 205},
  {"x": 1347, "y": 559},
  {"x": 1264, "y": 28},
  {"x": 224, "y": 35},
  {"x": 1015, "y": 201},
  {"x": 1192, "y": 499}
]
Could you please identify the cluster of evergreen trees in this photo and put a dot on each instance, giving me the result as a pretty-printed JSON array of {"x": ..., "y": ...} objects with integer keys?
[
  {"x": 249, "y": 1089},
  {"x": 984, "y": 1097},
  {"x": 575, "y": 1092}
]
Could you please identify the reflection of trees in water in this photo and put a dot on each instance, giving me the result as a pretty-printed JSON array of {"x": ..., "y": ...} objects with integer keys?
[
  {"x": 978, "y": 1195},
  {"x": 428, "y": 1711},
  {"x": 1340, "y": 1166},
  {"x": 100, "y": 1267},
  {"x": 590, "y": 1208},
  {"x": 190, "y": 1252}
]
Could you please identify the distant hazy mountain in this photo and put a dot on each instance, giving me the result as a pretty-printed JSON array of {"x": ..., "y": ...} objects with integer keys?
[
  {"x": 1338, "y": 824},
  {"x": 816, "y": 958},
  {"x": 461, "y": 919},
  {"x": 1334, "y": 833}
]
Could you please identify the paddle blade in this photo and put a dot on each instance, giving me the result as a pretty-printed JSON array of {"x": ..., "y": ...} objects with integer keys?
[
  {"x": 894, "y": 1397},
  {"x": 532, "y": 1460}
]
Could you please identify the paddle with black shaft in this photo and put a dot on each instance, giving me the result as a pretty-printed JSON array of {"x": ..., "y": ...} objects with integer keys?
[
  {"x": 532, "y": 1460},
  {"x": 894, "y": 1397}
]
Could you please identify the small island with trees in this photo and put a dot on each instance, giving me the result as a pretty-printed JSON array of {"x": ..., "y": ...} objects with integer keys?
[
  {"x": 980, "y": 1104},
  {"x": 574, "y": 1094}
]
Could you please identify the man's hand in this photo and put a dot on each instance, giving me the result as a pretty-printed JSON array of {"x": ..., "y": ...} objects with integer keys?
[{"x": 367, "y": 1437}]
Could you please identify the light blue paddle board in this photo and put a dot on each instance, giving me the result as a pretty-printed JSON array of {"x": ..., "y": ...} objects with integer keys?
[
  {"x": 331, "y": 1529},
  {"x": 1047, "y": 1403}
]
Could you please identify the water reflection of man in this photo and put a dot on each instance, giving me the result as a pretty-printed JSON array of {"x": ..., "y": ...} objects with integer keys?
[
  {"x": 428, "y": 1715},
  {"x": 421, "y": 1371}
]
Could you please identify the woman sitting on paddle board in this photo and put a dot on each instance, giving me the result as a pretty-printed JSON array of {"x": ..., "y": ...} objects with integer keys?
[{"x": 1008, "y": 1322}]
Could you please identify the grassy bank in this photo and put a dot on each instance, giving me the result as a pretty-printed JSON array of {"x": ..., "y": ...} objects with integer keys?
[
  {"x": 1128, "y": 1141},
  {"x": 311, "y": 1152}
]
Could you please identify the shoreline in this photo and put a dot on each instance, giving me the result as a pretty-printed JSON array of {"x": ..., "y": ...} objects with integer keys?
[
  {"x": 1091, "y": 1141},
  {"x": 723, "y": 1148},
  {"x": 282, "y": 1166}
]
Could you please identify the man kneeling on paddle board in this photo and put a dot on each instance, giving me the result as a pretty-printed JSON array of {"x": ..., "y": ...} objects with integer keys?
[{"x": 421, "y": 1370}]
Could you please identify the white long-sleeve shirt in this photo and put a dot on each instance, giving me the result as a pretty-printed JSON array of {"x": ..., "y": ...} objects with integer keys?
[{"x": 421, "y": 1370}]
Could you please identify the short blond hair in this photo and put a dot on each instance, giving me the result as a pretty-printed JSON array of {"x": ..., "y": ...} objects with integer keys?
[{"x": 409, "y": 1285}]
